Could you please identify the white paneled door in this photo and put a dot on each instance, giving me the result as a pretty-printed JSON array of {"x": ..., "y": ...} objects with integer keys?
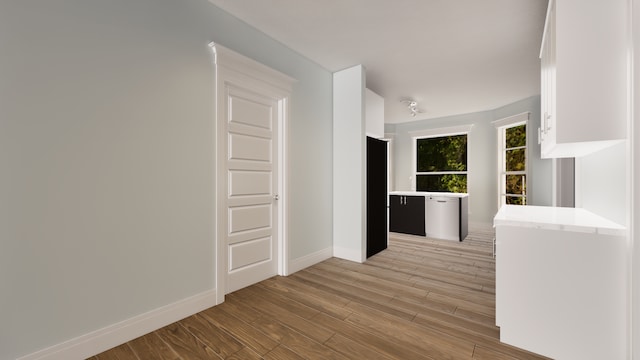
[
  {"x": 250, "y": 111},
  {"x": 251, "y": 192}
]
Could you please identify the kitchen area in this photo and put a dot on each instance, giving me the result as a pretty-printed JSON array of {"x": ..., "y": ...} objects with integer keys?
[{"x": 563, "y": 269}]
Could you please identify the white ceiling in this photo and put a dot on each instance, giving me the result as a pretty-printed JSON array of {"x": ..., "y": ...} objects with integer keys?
[{"x": 451, "y": 56}]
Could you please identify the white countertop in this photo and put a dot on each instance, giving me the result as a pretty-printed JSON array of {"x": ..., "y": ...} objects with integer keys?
[
  {"x": 556, "y": 218},
  {"x": 425, "y": 193}
]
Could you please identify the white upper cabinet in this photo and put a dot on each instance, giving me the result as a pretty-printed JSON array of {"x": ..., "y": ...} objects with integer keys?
[{"x": 585, "y": 76}]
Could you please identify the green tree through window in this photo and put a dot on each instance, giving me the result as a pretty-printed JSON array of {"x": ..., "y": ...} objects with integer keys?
[
  {"x": 514, "y": 171},
  {"x": 441, "y": 164}
]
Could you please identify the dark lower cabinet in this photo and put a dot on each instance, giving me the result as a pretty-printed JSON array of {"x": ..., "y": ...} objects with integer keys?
[{"x": 406, "y": 214}]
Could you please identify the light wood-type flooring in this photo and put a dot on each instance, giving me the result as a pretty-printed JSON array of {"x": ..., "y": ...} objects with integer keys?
[{"x": 419, "y": 299}]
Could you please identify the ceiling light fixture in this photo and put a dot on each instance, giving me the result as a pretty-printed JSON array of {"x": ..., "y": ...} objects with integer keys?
[{"x": 412, "y": 105}]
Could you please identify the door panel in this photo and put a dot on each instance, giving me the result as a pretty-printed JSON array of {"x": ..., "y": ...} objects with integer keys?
[
  {"x": 251, "y": 183},
  {"x": 250, "y": 113},
  {"x": 249, "y": 252},
  {"x": 243, "y": 183},
  {"x": 245, "y": 218},
  {"x": 253, "y": 148}
]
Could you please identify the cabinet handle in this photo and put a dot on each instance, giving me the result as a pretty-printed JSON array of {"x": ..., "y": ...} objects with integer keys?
[
  {"x": 547, "y": 123},
  {"x": 539, "y": 136},
  {"x": 494, "y": 247}
]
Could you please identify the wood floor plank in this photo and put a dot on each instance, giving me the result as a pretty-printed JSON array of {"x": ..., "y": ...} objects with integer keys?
[
  {"x": 245, "y": 354},
  {"x": 242, "y": 331},
  {"x": 475, "y": 316},
  {"x": 122, "y": 352},
  {"x": 435, "y": 344},
  {"x": 281, "y": 352},
  {"x": 479, "y": 339},
  {"x": 355, "y": 293},
  {"x": 353, "y": 349},
  {"x": 434, "y": 319},
  {"x": 257, "y": 295},
  {"x": 239, "y": 309},
  {"x": 299, "y": 343},
  {"x": 482, "y": 353},
  {"x": 388, "y": 287},
  {"x": 185, "y": 344},
  {"x": 272, "y": 309},
  {"x": 377, "y": 341},
  {"x": 150, "y": 346},
  {"x": 308, "y": 296},
  {"x": 217, "y": 339}
]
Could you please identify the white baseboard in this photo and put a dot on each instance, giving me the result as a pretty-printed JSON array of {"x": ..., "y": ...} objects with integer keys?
[
  {"x": 111, "y": 336},
  {"x": 309, "y": 260},
  {"x": 347, "y": 254}
]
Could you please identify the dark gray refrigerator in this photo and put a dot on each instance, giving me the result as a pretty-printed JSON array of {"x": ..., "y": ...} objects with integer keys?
[{"x": 377, "y": 232}]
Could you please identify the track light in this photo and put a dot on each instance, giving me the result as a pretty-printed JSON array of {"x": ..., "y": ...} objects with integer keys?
[{"x": 412, "y": 105}]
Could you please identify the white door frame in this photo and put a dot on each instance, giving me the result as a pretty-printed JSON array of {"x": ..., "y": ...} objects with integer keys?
[{"x": 262, "y": 76}]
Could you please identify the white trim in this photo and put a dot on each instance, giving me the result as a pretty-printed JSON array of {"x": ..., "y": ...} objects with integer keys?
[
  {"x": 445, "y": 131},
  {"x": 304, "y": 262},
  {"x": 219, "y": 246},
  {"x": 511, "y": 120},
  {"x": 432, "y": 133},
  {"x": 283, "y": 169},
  {"x": 95, "y": 342},
  {"x": 632, "y": 186},
  {"x": 501, "y": 126},
  {"x": 348, "y": 254},
  {"x": 389, "y": 138},
  {"x": 281, "y": 85},
  {"x": 241, "y": 64}
]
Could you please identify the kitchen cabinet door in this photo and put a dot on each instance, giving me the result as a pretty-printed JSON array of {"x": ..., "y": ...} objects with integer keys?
[
  {"x": 584, "y": 77},
  {"x": 407, "y": 214}
]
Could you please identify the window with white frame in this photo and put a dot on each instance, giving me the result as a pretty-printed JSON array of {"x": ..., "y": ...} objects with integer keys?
[
  {"x": 512, "y": 162},
  {"x": 441, "y": 163}
]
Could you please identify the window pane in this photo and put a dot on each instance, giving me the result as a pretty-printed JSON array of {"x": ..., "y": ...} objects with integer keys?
[
  {"x": 515, "y": 160},
  {"x": 448, "y": 153},
  {"x": 516, "y": 184},
  {"x": 516, "y": 136},
  {"x": 456, "y": 183},
  {"x": 516, "y": 200}
]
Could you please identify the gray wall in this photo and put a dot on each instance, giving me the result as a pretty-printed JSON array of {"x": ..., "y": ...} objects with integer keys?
[
  {"x": 106, "y": 150},
  {"x": 349, "y": 164},
  {"x": 482, "y": 156},
  {"x": 602, "y": 178}
]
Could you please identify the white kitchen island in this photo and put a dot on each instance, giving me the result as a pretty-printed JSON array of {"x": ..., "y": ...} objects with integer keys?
[{"x": 560, "y": 282}]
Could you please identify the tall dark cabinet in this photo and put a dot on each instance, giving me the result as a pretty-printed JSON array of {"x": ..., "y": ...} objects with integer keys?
[{"x": 377, "y": 233}]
